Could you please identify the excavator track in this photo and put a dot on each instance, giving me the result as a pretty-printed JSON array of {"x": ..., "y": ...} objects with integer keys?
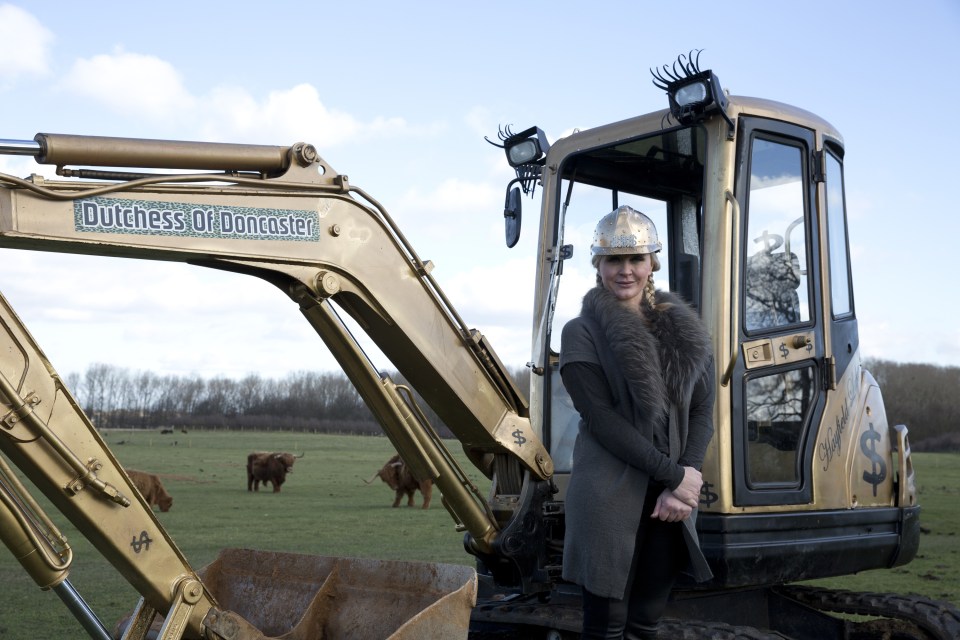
[
  {"x": 890, "y": 617},
  {"x": 894, "y": 617},
  {"x": 672, "y": 629},
  {"x": 669, "y": 630},
  {"x": 527, "y": 619}
]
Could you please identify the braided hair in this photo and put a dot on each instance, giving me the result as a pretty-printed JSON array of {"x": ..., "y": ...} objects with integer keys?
[{"x": 650, "y": 293}]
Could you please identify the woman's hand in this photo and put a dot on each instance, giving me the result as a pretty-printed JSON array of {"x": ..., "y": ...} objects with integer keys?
[
  {"x": 670, "y": 508},
  {"x": 688, "y": 490}
]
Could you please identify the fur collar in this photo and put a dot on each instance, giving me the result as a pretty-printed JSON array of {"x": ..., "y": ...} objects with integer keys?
[{"x": 662, "y": 355}]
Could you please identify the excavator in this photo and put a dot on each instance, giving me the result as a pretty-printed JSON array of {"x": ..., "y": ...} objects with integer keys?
[{"x": 804, "y": 477}]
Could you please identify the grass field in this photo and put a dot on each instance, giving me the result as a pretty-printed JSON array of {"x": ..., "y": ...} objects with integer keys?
[{"x": 326, "y": 508}]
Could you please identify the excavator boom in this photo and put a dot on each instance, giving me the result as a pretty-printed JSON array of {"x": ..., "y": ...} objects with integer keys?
[{"x": 284, "y": 215}]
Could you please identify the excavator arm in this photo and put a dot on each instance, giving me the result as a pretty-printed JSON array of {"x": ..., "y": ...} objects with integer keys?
[{"x": 284, "y": 215}]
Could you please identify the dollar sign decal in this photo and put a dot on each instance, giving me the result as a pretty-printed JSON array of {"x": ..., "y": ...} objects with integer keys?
[
  {"x": 770, "y": 241},
  {"x": 784, "y": 350},
  {"x": 878, "y": 469},
  {"x": 707, "y": 496},
  {"x": 518, "y": 434},
  {"x": 142, "y": 542}
]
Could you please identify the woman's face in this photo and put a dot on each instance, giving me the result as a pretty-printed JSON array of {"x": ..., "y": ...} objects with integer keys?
[{"x": 626, "y": 275}]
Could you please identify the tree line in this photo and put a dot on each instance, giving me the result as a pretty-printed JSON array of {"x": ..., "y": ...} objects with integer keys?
[
  {"x": 114, "y": 397},
  {"x": 319, "y": 402},
  {"x": 920, "y": 396},
  {"x": 924, "y": 398}
]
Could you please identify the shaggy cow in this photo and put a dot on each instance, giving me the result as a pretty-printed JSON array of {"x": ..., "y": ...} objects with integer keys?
[
  {"x": 150, "y": 487},
  {"x": 269, "y": 468},
  {"x": 398, "y": 477}
]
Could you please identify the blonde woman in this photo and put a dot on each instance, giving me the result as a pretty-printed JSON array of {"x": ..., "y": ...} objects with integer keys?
[{"x": 637, "y": 364}]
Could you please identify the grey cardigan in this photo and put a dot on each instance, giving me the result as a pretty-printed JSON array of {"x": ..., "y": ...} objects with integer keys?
[{"x": 654, "y": 369}]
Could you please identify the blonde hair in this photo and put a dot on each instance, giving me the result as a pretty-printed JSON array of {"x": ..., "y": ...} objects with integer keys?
[{"x": 650, "y": 292}]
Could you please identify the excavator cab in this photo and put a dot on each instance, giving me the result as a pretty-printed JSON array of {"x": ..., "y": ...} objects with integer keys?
[
  {"x": 596, "y": 182},
  {"x": 804, "y": 477}
]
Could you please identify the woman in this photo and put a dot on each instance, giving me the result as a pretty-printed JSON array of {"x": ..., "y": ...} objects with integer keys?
[{"x": 637, "y": 364}]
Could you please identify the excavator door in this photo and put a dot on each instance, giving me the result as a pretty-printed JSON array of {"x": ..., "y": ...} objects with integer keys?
[{"x": 781, "y": 373}]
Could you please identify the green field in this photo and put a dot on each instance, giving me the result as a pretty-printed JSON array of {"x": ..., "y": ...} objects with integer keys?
[{"x": 326, "y": 508}]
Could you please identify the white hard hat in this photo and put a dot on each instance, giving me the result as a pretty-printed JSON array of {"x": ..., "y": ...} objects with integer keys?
[{"x": 625, "y": 231}]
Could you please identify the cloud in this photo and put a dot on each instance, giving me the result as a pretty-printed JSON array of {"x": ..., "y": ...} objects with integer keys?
[
  {"x": 24, "y": 44},
  {"x": 292, "y": 114},
  {"x": 150, "y": 92},
  {"x": 149, "y": 87},
  {"x": 130, "y": 84}
]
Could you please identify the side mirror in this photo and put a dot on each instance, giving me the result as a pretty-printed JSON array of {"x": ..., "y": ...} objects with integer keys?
[{"x": 511, "y": 216}]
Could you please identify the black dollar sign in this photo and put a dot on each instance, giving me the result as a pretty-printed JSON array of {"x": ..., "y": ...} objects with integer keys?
[
  {"x": 707, "y": 496},
  {"x": 518, "y": 434},
  {"x": 878, "y": 470},
  {"x": 784, "y": 350},
  {"x": 143, "y": 542}
]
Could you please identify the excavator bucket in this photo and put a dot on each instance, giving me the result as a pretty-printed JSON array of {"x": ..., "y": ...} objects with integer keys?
[{"x": 303, "y": 597}]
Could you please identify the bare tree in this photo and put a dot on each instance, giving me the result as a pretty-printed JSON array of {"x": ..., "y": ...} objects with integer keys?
[
  {"x": 102, "y": 391},
  {"x": 146, "y": 391}
]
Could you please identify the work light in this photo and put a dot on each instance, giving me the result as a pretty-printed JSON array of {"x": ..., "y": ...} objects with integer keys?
[
  {"x": 693, "y": 99},
  {"x": 527, "y": 147},
  {"x": 694, "y": 95}
]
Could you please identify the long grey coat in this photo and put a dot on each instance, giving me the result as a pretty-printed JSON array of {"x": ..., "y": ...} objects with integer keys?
[{"x": 656, "y": 369}]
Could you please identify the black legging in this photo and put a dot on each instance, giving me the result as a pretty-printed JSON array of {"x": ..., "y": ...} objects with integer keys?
[{"x": 658, "y": 557}]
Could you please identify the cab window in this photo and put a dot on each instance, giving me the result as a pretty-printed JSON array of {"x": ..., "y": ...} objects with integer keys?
[{"x": 776, "y": 272}]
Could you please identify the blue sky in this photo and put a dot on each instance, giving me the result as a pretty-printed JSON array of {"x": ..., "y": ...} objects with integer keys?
[{"x": 398, "y": 96}]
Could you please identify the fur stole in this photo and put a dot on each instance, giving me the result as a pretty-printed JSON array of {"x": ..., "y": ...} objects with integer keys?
[{"x": 661, "y": 355}]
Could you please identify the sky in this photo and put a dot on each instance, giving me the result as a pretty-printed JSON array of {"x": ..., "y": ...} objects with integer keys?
[{"x": 399, "y": 97}]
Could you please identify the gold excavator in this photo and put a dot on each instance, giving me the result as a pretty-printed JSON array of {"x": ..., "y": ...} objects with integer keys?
[{"x": 803, "y": 479}]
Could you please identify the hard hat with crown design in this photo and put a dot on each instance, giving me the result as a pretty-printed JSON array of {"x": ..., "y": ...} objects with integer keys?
[{"x": 625, "y": 231}]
